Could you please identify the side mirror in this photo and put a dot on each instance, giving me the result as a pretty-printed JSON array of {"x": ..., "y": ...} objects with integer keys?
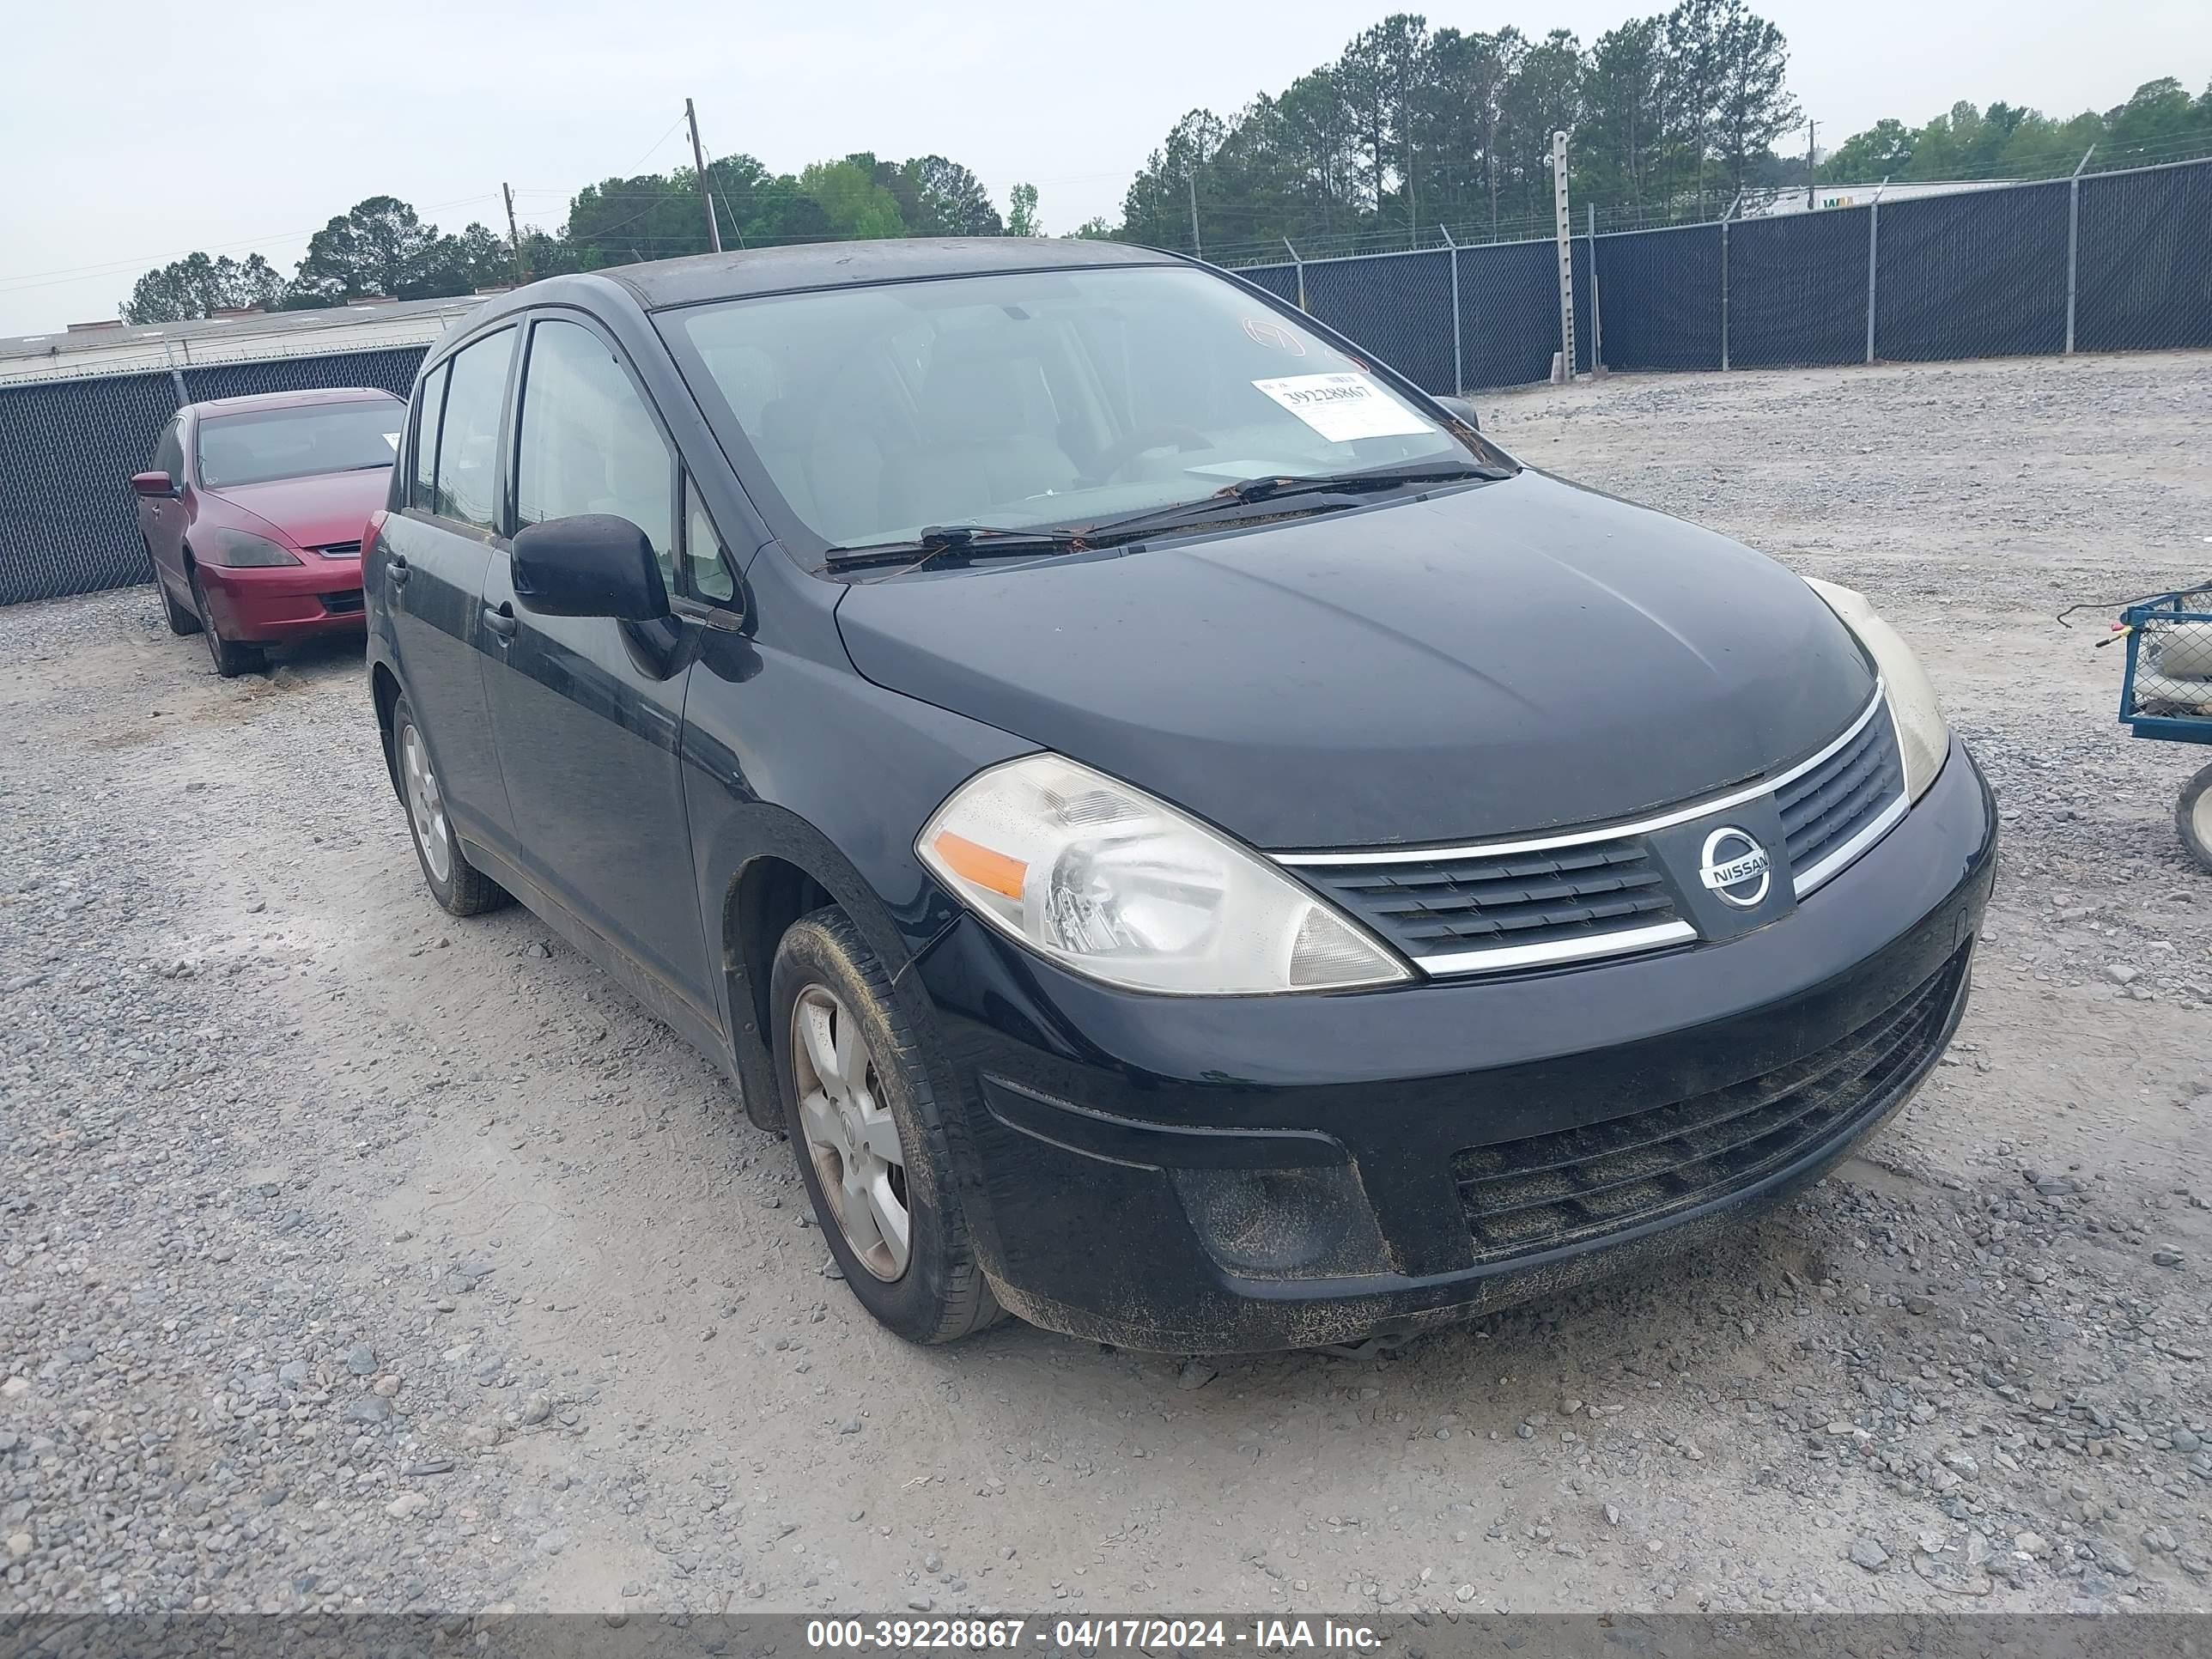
[
  {"x": 594, "y": 564},
  {"x": 1462, "y": 410},
  {"x": 154, "y": 486}
]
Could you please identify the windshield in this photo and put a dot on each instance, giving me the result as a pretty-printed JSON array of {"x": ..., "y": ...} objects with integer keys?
[
  {"x": 1039, "y": 397},
  {"x": 297, "y": 443}
]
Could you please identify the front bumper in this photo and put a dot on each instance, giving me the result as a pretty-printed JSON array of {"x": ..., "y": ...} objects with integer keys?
[
  {"x": 268, "y": 602},
  {"x": 1216, "y": 1175}
]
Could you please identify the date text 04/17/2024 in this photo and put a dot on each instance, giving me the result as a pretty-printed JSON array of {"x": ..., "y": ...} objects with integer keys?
[{"x": 1277, "y": 1635}]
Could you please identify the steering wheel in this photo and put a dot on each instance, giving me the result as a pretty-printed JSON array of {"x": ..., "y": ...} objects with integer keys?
[{"x": 1112, "y": 461}]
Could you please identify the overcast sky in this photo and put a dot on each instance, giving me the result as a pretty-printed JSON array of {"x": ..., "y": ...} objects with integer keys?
[{"x": 133, "y": 133}]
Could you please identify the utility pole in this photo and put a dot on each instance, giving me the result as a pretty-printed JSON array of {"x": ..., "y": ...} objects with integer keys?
[
  {"x": 513, "y": 236},
  {"x": 1811, "y": 128},
  {"x": 1197, "y": 249},
  {"x": 1565, "y": 226},
  {"x": 699, "y": 162}
]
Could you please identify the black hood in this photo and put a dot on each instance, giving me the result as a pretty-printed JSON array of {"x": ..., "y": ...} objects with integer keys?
[{"x": 1520, "y": 656}]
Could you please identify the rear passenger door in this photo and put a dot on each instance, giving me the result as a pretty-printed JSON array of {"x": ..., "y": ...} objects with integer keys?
[
  {"x": 433, "y": 555},
  {"x": 587, "y": 710}
]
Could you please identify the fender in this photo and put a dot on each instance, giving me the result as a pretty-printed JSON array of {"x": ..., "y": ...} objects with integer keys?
[{"x": 750, "y": 834}]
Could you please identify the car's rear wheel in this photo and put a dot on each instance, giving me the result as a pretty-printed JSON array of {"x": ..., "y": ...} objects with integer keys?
[
  {"x": 453, "y": 881},
  {"x": 232, "y": 657},
  {"x": 181, "y": 619},
  {"x": 2193, "y": 818},
  {"x": 871, "y": 1145}
]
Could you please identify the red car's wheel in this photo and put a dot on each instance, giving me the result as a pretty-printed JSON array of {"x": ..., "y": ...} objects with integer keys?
[
  {"x": 180, "y": 620},
  {"x": 232, "y": 657}
]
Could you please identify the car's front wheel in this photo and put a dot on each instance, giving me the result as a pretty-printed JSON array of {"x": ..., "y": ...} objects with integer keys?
[
  {"x": 453, "y": 881},
  {"x": 181, "y": 620},
  {"x": 232, "y": 657},
  {"x": 872, "y": 1145}
]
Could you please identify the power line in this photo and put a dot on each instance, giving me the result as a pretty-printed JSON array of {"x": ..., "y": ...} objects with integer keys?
[{"x": 30, "y": 279}]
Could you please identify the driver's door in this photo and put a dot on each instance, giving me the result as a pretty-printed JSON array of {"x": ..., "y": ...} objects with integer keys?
[{"x": 586, "y": 711}]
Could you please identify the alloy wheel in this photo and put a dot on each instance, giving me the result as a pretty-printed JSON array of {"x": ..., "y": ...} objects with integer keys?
[
  {"x": 852, "y": 1138},
  {"x": 426, "y": 807}
]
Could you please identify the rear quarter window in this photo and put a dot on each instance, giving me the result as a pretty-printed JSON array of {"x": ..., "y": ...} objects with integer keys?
[
  {"x": 467, "y": 482},
  {"x": 429, "y": 409}
]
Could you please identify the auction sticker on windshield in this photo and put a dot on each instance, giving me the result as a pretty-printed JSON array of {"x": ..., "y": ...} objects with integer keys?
[{"x": 1343, "y": 406}]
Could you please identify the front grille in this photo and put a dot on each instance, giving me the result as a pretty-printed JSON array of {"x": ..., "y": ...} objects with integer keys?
[
  {"x": 346, "y": 603},
  {"x": 1548, "y": 1191},
  {"x": 340, "y": 549},
  {"x": 1845, "y": 792},
  {"x": 1591, "y": 893},
  {"x": 1490, "y": 900}
]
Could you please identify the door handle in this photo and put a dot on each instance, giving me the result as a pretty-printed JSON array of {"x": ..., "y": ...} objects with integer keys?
[
  {"x": 395, "y": 570},
  {"x": 502, "y": 620}
]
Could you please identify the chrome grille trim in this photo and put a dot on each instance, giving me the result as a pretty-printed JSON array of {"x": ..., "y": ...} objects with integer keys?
[
  {"x": 1804, "y": 882},
  {"x": 1649, "y": 936},
  {"x": 1556, "y": 951},
  {"x": 1609, "y": 832}
]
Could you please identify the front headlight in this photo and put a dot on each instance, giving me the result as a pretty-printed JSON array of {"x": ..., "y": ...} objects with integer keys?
[
  {"x": 1113, "y": 884},
  {"x": 1921, "y": 737},
  {"x": 235, "y": 550}
]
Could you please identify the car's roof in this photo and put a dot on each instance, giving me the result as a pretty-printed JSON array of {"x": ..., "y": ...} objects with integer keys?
[
  {"x": 732, "y": 275},
  {"x": 260, "y": 400}
]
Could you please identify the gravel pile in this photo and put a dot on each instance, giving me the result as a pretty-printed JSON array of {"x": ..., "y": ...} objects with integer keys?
[{"x": 352, "y": 1256}]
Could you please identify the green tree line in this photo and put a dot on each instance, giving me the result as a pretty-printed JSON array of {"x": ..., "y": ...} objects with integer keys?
[
  {"x": 382, "y": 246},
  {"x": 1670, "y": 117},
  {"x": 2162, "y": 122}
]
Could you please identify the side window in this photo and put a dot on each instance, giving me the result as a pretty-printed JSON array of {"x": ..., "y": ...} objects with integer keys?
[
  {"x": 468, "y": 437},
  {"x": 703, "y": 560},
  {"x": 429, "y": 410},
  {"x": 169, "y": 452},
  {"x": 588, "y": 445}
]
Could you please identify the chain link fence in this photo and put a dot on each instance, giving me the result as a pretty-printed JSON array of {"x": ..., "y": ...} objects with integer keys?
[
  {"x": 2144, "y": 280},
  {"x": 1983, "y": 273},
  {"x": 69, "y": 523},
  {"x": 2107, "y": 262}
]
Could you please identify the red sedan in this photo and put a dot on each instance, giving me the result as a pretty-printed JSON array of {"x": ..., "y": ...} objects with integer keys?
[{"x": 254, "y": 510}]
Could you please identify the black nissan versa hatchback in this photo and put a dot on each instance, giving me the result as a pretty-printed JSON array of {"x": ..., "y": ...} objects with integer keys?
[{"x": 1194, "y": 843}]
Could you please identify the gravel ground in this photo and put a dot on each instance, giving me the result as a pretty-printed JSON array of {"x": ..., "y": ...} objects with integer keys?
[{"x": 356, "y": 1257}]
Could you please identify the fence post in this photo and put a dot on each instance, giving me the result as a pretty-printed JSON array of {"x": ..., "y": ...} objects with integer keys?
[
  {"x": 1597, "y": 311},
  {"x": 1564, "y": 224},
  {"x": 176, "y": 375},
  {"x": 2073, "y": 239},
  {"x": 1301, "y": 265},
  {"x": 1725, "y": 218},
  {"x": 1874, "y": 248},
  {"x": 1459, "y": 361}
]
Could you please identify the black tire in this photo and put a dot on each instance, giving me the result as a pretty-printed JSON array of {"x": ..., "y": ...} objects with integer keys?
[
  {"x": 2193, "y": 818},
  {"x": 464, "y": 889},
  {"x": 231, "y": 657},
  {"x": 181, "y": 620},
  {"x": 941, "y": 1296}
]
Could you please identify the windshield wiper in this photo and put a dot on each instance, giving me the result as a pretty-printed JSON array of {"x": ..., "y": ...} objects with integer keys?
[
  {"x": 1267, "y": 490},
  {"x": 1014, "y": 541},
  {"x": 1275, "y": 488},
  {"x": 990, "y": 540}
]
